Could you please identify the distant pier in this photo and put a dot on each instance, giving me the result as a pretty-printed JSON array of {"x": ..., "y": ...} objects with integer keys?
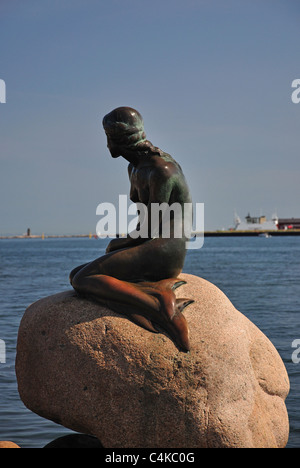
[{"x": 233, "y": 233}]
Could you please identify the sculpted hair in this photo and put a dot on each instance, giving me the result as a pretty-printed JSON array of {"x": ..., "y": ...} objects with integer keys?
[{"x": 125, "y": 126}]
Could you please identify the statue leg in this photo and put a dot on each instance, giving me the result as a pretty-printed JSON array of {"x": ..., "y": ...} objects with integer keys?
[
  {"x": 147, "y": 305},
  {"x": 75, "y": 271},
  {"x": 116, "y": 279}
]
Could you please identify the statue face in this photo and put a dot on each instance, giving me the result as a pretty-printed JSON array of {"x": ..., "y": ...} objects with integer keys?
[{"x": 113, "y": 148}]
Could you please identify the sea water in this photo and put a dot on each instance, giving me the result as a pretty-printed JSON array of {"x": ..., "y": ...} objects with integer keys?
[{"x": 260, "y": 276}]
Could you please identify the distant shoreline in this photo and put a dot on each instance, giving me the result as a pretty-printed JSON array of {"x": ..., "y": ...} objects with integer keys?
[
  {"x": 290, "y": 232},
  {"x": 45, "y": 236}
]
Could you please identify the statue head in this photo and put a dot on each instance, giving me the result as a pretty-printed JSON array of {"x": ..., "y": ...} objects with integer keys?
[{"x": 124, "y": 128}]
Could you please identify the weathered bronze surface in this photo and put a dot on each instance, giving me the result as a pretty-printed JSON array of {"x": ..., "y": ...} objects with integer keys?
[{"x": 138, "y": 274}]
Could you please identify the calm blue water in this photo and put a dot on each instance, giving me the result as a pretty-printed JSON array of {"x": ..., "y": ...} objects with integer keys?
[{"x": 260, "y": 276}]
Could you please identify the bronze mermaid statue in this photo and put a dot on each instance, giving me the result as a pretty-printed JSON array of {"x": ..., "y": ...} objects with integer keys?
[{"x": 139, "y": 273}]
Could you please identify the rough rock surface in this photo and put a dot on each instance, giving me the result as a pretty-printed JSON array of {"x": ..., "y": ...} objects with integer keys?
[{"x": 94, "y": 371}]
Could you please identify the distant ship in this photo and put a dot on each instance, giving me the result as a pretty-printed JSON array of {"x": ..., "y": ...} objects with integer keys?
[{"x": 256, "y": 223}]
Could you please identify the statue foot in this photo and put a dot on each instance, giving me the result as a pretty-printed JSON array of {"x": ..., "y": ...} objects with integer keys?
[
  {"x": 175, "y": 324},
  {"x": 171, "y": 321},
  {"x": 163, "y": 311},
  {"x": 169, "y": 316}
]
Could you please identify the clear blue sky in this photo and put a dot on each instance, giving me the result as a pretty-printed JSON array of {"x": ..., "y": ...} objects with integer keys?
[{"x": 212, "y": 79}]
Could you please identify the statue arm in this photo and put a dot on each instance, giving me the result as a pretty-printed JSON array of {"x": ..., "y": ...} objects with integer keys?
[{"x": 160, "y": 189}]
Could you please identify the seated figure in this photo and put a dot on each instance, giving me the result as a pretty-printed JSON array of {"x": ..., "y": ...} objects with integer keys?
[{"x": 139, "y": 273}]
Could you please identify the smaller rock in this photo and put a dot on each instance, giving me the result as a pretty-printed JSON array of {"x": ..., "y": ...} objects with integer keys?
[
  {"x": 75, "y": 441},
  {"x": 8, "y": 444}
]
